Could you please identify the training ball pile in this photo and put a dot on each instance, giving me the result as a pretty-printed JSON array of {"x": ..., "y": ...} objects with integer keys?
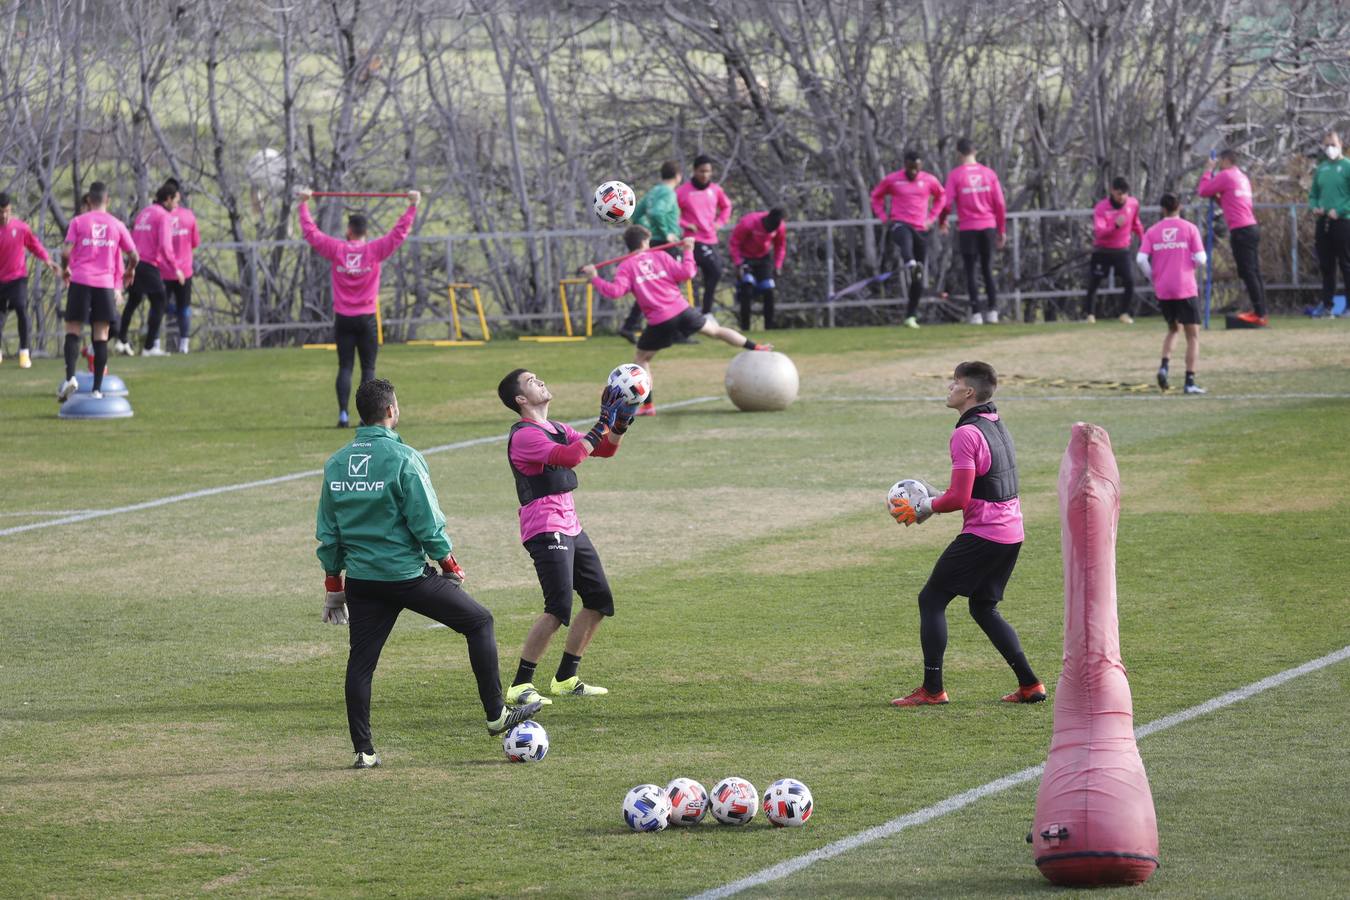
[
  {"x": 787, "y": 803},
  {"x": 646, "y": 808},
  {"x": 634, "y": 381},
  {"x": 733, "y": 801},
  {"x": 614, "y": 202},
  {"x": 527, "y": 742}
]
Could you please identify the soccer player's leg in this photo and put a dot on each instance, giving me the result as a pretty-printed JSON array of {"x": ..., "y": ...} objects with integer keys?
[
  {"x": 370, "y": 619},
  {"x": 368, "y": 346},
  {"x": 553, "y": 554},
  {"x": 1246, "y": 245},
  {"x": 745, "y": 295},
  {"x": 183, "y": 300},
  {"x": 1192, "y": 332},
  {"x": 998, "y": 562},
  {"x": 653, "y": 340},
  {"x": 345, "y": 333},
  {"x": 77, "y": 311},
  {"x": 968, "y": 243},
  {"x": 919, "y": 256},
  {"x": 1129, "y": 303},
  {"x": 597, "y": 600},
  {"x": 764, "y": 286},
  {"x": 1097, "y": 269},
  {"x": 728, "y": 335},
  {"x": 986, "y": 245},
  {"x": 705, "y": 255},
  {"x": 1169, "y": 314},
  {"x": 18, "y": 302},
  {"x": 954, "y": 573}
]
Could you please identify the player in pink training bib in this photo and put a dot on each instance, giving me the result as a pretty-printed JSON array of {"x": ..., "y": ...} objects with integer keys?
[
  {"x": 978, "y": 564},
  {"x": 1234, "y": 190},
  {"x": 16, "y": 241},
  {"x": 704, "y": 210},
  {"x": 152, "y": 230},
  {"x": 915, "y": 198},
  {"x": 974, "y": 192},
  {"x": 1115, "y": 221},
  {"x": 1169, "y": 253}
]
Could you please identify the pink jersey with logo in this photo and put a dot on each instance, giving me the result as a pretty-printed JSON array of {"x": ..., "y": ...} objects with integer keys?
[
  {"x": 530, "y": 449},
  {"x": 998, "y": 522},
  {"x": 1234, "y": 190},
  {"x": 654, "y": 278},
  {"x": 702, "y": 211},
  {"x": 915, "y": 203},
  {"x": 153, "y": 234},
  {"x": 185, "y": 240},
  {"x": 97, "y": 242},
  {"x": 17, "y": 239},
  {"x": 974, "y": 191},
  {"x": 1106, "y": 234},
  {"x": 1170, "y": 246},
  {"x": 356, "y": 264},
  {"x": 749, "y": 240}
]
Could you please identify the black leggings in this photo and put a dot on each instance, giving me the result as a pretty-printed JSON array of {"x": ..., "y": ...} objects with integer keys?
[
  {"x": 984, "y": 610},
  {"x": 756, "y": 281},
  {"x": 979, "y": 246},
  {"x": 913, "y": 246},
  {"x": 373, "y": 608},
  {"x": 354, "y": 335},
  {"x": 1104, "y": 262},
  {"x": 1333, "y": 252},
  {"x": 1246, "y": 244},
  {"x": 14, "y": 295},
  {"x": 156, "y": 317},
  {"x": 706, "y": 257}
]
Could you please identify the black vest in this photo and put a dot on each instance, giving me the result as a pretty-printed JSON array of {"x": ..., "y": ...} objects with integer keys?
[
  {"x": 1000, "y": 482},
  {"x": 553, "y": 480}
]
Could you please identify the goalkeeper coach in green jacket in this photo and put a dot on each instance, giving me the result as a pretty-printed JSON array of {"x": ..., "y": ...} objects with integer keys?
[{"x": 380, "y": 521}]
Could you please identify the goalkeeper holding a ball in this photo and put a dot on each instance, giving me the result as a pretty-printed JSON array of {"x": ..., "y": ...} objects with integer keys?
[{"x": 979, "y": 562}]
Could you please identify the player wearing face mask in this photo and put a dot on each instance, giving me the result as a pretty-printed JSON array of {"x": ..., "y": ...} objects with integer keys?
[{"x": 1329, "y": 200}]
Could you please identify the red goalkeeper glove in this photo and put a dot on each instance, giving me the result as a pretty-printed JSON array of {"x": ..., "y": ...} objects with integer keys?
[{"x": 452, "y": 570}]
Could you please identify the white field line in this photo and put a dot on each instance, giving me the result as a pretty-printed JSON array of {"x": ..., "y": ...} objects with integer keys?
[
  {"x": 959, "y": 801},
  {"x": 86, "y": 515},
  {"x": 29, "y": 513},
  {"x": 1154, "y": 396}
]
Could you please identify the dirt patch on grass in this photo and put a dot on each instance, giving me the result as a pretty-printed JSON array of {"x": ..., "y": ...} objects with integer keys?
[{"x": 230, "y": 880}]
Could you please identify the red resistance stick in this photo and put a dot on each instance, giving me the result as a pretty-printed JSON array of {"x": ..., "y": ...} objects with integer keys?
[
  {"x": 358, "y": 194},
  {"x": 610, "y": 262}
]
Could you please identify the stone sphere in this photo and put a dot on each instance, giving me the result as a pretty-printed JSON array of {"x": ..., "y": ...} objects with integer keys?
[{"x": 760, "y": 381}]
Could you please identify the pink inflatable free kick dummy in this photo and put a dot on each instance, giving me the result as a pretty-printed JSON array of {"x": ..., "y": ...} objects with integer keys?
[{"x": 1094, "y": 822}]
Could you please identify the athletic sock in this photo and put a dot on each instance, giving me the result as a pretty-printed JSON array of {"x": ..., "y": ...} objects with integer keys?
[
  {"x": 932, "y": 679},
  {"x": 100, "y": 363},
  {"x": 71, "y": 351},
  {"x": 750, "y": 345},
  {"x": 1164, "y": 363},
  {"x": 568, "y": 667},
  {"x": 524, "y": 672},
  {"x": 1022, "y": 669},
  {"x": 1190, "y": 378}
]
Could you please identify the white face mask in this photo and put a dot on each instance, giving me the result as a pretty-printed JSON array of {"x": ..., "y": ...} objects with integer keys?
[{"x": 1333, "y": 151}]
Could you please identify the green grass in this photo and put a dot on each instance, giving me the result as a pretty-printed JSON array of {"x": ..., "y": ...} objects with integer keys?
[{"x": 171, "y": 708}]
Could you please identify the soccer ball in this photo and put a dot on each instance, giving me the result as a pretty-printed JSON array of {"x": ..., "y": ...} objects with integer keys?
[
  {"x": 614, "y": 202},
  {"x": 527, "y": 742},
  {"x": 734, "y": 801},
  {"x": 646, "y": 808},
  {"x": 634, "y": 381},
  {"x": 267, "y": 170},
  {"x": 688, "y": 801},
  {"x": 787, "y": 803},
  {"x": 910, "y": 489}
]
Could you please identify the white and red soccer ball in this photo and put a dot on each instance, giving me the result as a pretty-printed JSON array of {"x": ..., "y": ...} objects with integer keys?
[
  {"x": 688, "y": 801},
  {"x": 788, "y": 803},
  {"x": 633, "y": 381},
  {"x": 646, "y": 808},
  {"x": 527, "y": 742},
  {"x": 734, "y": 801},
  {"x": 614, "y": 202}
]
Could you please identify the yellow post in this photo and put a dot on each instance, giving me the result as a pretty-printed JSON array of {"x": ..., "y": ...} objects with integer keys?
[
  {"x": 379, "y": 324},
  {"x": 590, "y": 302},
  {"x": 689, "y": 291},
  {"x": 482, "y": 318},
  {"x": 454, "y": 313},
  {"x": 562, "y": 299}
]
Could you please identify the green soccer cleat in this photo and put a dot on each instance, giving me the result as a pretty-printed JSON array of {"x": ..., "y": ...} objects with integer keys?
[
  {"x": 369, "y": 760},
  {"x": 575, "y": 687},
  {"x": 512, "y": 716},
  {"x": 519, "y": 694}
]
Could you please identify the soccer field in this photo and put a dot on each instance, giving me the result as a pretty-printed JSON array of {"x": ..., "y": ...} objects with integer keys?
[{"x": 171, "y": 708}]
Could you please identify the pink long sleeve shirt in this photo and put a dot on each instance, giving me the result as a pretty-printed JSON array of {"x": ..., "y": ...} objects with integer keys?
[
  {"x": 152, "y": 233},
  {"x": 1106, "y": 234},
  {"x": 1170, "y": 246},
  {"x": 185, "y": 240},
  {"x": 749, "y": 240},
  {"x": 916, "y": 203},
  {"x": 356, "y": 264},
  {"x": 654, "y": 278},
  {"x": 1234, "y": 190},
  {"x": 703, "y": 211},
  {"x": 97, "y": 241},
  {"x": 17, "y": 239},
  {"x": 975, "y": 193}
]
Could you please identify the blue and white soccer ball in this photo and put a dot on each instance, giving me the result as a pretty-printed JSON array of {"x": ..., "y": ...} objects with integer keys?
[
  {"x": 788, "y": 803},
  {"x": 646, "y": 808},
  {"x": 527, "y": 742},
  {"x": 634, "y": 381},
  {"x": 734, "y": 801},
  {"x": 688, "y": 801}
]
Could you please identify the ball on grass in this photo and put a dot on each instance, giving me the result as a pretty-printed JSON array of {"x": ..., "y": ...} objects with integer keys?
[{"x": 761, "y": 381}]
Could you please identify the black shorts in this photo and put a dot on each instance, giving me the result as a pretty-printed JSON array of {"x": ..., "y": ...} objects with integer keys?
[
  {"x": 148, "y": 280},
  {"x": 90, "y": 304},
  {"x": 567, "y": 563},
  {"x": 13, "y": 294},
  {"x": 1181, "y": 312},
  {"x": 974, "y": 567},
  {"x": 659, "y": 337}
]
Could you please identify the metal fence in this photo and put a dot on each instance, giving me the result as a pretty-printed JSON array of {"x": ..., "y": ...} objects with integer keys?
[{"x": 267, "y": 293}]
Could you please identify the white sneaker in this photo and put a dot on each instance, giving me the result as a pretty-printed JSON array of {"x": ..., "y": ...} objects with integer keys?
[
  {"x": 1126, "y": 319},
  {"x": 911, "y": 322},
  {"x": 25, "y": 362},
  {"x": 66, "y": 389},
  {"x": 154, "y": 350},
  {"x": 97, "y": 395},
  {"x": 1193, "y": 388},
  {"x": 182, "y": 345},
  {"x": 976, "y": 319},
  {"x": 123, "y": 348},
  {"x": 1089, "y": 319},
  {"x": 991, "y": 317}
]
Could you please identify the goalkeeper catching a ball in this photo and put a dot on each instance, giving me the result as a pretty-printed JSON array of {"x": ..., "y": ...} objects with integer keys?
[{"x": 979, "y": 562}]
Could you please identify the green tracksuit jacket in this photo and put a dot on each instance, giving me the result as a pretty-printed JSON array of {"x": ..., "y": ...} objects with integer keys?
[
  {"x": 1331, "y": 187},
  {"x": 659, "y": 212},
  {"x": 378, "y": 514}
]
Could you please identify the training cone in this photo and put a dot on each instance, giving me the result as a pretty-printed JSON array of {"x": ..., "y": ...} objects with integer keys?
[{"x": 1095, "y": 823}]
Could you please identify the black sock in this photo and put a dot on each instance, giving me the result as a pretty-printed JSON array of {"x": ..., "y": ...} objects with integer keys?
[
  {"x": 100, "y": 363},
  {"x": 1164, "y": 363},
  {"x": 750, "y": 345},
  {"x": 524, "y": 672},
  {"x": 71, "y": 351},
  {"x": 568, "y": 667},
  {"x": 1190, "y": 378},
  {"x": 932, "y": 679},
  {"x": 1022, "y": 669}
]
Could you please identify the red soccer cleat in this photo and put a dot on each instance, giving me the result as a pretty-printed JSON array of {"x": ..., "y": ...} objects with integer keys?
[
  {"x": 646, "y": 409},
  {"x": 921, "y": 697},
  {"x": 764, "y": 347},
  {"x": 1032, "y": 693}
]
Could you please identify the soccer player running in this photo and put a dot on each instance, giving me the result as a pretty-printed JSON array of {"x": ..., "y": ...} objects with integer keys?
[
  {"x": 1234, "y": 190},
  {"x": 974, "y": 192},
  {"x": 543, "y": 454},
  {"x": 16, "y": 241},
  {"x": 1114, "y": 220},
  {"x": 915, "y": 198},
  {"x": 380, "y": 521},
  {"x": 704, "y": 209},
  {"x": 152, "y": 230},
  {"x": 980, "y": 561},
  {"x": 186, "y": 239},
  {"x": 356, "y": 288},
  {"x": 659, "y": 212},
  {"x": 1169, "y": 253},
  {"x": 654, "y": 278},
  {"x": 755, "y": 236},
  {"x": 89, "y": 262},
  {"x": 1329, "y": 199}
]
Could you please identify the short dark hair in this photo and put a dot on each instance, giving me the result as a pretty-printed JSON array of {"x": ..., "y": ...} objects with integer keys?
[
  {"x": 4, "y": 199},
  {"x": 1169, "y": 202},
  {"x": 84, "y": 200},
  {"x": 1228, "y": 154},
  {"x": 173, "y": 183},
  {"x": 1119, "y": 183},
  {"x": 980, "y": 376},
  {"x": 773, "y": 218},
  {"x": 702, "y": 159},
  {"x": 670, "y": 168},
  {"x": 965, "y": 146},
  {"x": 166, "y": 192},
  {"x": 357, "y": 224},
  {"x": 372, "y": 399},
  {"x": 509, "y": 388},
  {"x": 634, "y": 235},
  {"x": 98, "y": 192},
  {"x": 912, "y": 155}
]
